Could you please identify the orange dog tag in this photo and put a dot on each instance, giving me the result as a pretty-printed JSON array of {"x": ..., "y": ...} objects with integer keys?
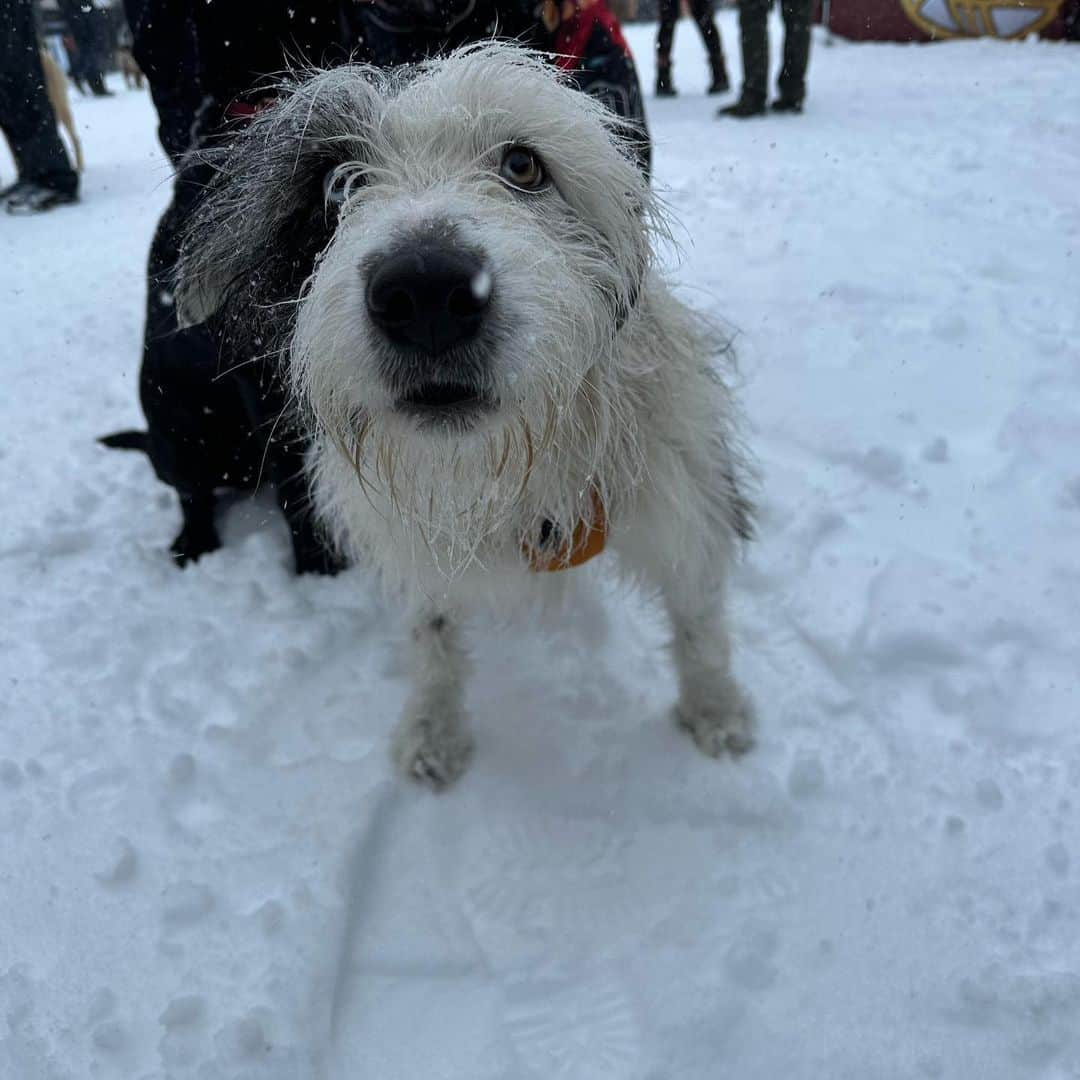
[{"x": 588, "y": 541}]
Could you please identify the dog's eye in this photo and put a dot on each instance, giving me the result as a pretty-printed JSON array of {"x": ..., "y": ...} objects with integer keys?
[{"x": 523, "y": 169}]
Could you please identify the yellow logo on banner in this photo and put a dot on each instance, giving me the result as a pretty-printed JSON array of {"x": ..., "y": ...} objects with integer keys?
[{"x": 981, "y": 18}]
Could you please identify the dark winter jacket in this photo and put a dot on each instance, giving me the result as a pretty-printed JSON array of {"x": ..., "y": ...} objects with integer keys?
[
  {"x": 240, "y": 46},
  {"x": 213, "y": 56},
  {"x": 390, "y": 32}
]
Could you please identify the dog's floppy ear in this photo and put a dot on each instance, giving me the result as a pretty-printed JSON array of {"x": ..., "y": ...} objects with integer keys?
[
  {"x": 262, "y": 218},
  {"x": 206, "y": 268}
]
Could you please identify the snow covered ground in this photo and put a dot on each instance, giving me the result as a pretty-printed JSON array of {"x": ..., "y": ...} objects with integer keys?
[{"x": 207, "y": 869}]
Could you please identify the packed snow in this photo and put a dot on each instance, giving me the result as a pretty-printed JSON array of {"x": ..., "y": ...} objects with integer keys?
[{"x": 207, "y": 867}]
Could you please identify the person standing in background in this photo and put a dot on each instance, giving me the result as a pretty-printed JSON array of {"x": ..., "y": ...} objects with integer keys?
[
  {"x": 89, "y": 26},
  {"x": 702, "y": 11},
  {"x": 45, "y": 177},
  {"x": 754, "y": 35}
]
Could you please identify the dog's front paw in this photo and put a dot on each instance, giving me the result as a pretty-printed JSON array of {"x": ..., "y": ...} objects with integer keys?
[
  {"x": 431, "y": 751},
  {"x": 720, "y": 726},
  {"x": 190, "y": 544},
  {"x": 319, "y": 560}
]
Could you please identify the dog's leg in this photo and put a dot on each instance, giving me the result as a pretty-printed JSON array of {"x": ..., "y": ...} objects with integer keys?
[
  {"x": 431, "y": 743},
  {"x": 198, "y": 536},
  {"x": 311, "y": 552},
  {"x": 284, "y": 454},
  {"x": 711, "y": 707}
]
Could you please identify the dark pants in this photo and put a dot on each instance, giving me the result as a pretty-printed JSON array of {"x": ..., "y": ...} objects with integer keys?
[
  {"x": 1072, "y": 21},
  {"x": 754, "y": 33},
  {"x": 90, "y": 31},
  {"x": 26, "y": 117},
  {"x": 176, "y": 96},
  {"x": 702, "y": 11}
]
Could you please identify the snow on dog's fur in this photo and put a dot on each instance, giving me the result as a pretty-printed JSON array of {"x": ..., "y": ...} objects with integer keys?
[{"x": 576, "y": 387}]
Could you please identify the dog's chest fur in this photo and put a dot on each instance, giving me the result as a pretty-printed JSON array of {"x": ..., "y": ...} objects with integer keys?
[{"x": 645, "y": 446}]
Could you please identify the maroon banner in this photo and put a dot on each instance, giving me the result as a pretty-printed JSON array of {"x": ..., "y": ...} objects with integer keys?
[{"x": 941, "y": 20}]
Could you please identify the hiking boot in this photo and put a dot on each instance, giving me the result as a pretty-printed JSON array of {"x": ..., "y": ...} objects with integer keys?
[
  {"x": 664, "y": 85},
  {"x": 743, "y": 108},
  {"x": 783, "y": 104},
  {"x": 35, "y": 199}
]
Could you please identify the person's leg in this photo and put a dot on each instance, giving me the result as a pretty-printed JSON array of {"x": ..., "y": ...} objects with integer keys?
[
  {"x": 82, "y": 21},
  {"x": 665, "y": 36},
  {"x": 74, "y": 71},
  {"x": 26, "y": 117},
  {"x": 754, "y": 39},
  {"x": 1072, "y": 20},
  {"x": 101, "y": 34},
  {"x": 702, "y": 11},
  {"x": 792, "y": 81},
  {"x": 287, "y": 463}
]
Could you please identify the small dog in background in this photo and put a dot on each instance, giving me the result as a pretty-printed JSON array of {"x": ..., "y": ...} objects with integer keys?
[
  {"x": 498, "y": 382},
  {"x": 57, "y": 91}
]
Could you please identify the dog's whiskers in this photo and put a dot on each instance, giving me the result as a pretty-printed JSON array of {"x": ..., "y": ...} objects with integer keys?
[{"x": 266, "y": 448}]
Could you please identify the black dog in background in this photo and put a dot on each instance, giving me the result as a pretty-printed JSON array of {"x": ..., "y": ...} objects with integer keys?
[
  {"x": 216, "y": 415},
  {"x": 216, "y": 419},
  {"x": 211, "y": 428}
]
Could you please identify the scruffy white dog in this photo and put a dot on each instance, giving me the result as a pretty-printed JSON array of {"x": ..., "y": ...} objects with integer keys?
[{"x": 455, "y": 264}]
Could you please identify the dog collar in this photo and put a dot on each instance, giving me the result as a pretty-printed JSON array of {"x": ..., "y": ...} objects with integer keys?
[
  {"x": 554, "y": 553},
  {"x": 238, "y": 109}
]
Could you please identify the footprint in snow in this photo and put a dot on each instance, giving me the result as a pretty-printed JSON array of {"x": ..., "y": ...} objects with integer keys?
[{"x": 582, "y": 1031}]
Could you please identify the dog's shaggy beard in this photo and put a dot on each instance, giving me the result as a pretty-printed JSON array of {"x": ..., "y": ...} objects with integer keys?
[{"x": 562, "y": 439}]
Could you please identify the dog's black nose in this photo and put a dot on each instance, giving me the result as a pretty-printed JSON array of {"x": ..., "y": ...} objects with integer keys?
[{"x": 429, "y": 298}]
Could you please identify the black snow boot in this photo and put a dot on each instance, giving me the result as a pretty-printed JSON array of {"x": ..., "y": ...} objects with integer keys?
[
  {"x": 743, "y": 109},
  {"x": 32, "y": 198},
  {"x": 664, "y": 85}
]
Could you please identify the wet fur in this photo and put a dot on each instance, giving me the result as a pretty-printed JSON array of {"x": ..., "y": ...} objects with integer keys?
[{"x": 608, "y": 385}]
